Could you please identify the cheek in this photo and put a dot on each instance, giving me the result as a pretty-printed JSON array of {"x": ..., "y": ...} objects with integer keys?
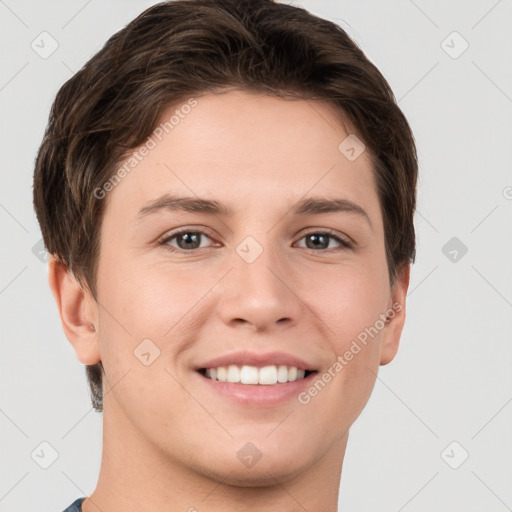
[
  {"x": 352, "y": 304},
  {"x": 145, "y": 313},
  {"x": 150, "y": 301},
  {"x": 155, "y": 311}
]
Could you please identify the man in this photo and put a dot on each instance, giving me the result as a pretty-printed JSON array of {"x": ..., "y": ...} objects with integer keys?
[{"x": 227, "y": 190}]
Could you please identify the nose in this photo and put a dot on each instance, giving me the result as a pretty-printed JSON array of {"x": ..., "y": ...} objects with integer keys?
[{"x": 262, "y": 295}]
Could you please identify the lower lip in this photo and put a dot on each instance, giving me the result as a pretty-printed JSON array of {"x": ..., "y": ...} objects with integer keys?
[{"x": 258, "y": 395}]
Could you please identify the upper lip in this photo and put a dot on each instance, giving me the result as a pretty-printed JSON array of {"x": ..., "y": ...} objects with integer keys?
[{"x": 257, "y": 359}]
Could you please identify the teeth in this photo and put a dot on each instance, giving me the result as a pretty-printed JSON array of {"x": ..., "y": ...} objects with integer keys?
[
  {"x": 222, "y": 374},
  {"x": 248, "y": 375},
  {"x": 267, "y": 375},
  {"x": 233, "y": 374},
  {"x": 282, "y": 374}
]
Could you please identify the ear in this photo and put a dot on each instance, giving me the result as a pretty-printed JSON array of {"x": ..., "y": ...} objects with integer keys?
[
  {"x": 78, "y": 312},
  {"x": 395, "y": 323}
]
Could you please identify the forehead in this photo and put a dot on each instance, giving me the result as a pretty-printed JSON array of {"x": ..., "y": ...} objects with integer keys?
[{"x": 242, "y": 149}]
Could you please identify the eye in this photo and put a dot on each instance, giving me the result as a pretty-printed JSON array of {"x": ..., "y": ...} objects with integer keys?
[
  {"x": 319, "y": 240},
  {"x": 186, "y": 240}
]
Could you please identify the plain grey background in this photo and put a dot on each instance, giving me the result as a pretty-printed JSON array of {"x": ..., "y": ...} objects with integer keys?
[{"x": 436, "y": 433}]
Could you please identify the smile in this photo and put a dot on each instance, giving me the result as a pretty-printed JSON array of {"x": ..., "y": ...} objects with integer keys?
[{"x": 253, "y": 375}]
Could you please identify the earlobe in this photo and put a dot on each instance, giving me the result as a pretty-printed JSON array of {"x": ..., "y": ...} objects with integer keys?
[
  {"x": 396, "y": 316},
  {"x": 77, "y": 310}
]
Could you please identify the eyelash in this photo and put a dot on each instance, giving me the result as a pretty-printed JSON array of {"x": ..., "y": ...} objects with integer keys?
[{"x": 345, "y": 244}]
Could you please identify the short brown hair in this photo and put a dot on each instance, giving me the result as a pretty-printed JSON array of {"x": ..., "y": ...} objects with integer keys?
[{"x": 181, "y": 48}]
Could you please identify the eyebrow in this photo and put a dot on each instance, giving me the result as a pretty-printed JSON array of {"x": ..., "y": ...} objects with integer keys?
[{"x": 309, "y": 206}]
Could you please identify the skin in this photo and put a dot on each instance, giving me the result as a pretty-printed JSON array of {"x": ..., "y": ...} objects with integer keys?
[{"x": 169, "y": 443}]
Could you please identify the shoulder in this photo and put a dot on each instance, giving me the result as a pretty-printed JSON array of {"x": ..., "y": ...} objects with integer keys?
[{"x": 76, "y": 506}]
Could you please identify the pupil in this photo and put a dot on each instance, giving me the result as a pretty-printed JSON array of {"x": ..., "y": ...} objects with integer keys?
[
  {"x": 316, "y": 237},
  {"x": 188, "y": 236}
]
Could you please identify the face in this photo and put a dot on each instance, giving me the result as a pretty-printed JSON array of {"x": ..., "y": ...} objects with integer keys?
[{"x": 261, "y": 270}]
